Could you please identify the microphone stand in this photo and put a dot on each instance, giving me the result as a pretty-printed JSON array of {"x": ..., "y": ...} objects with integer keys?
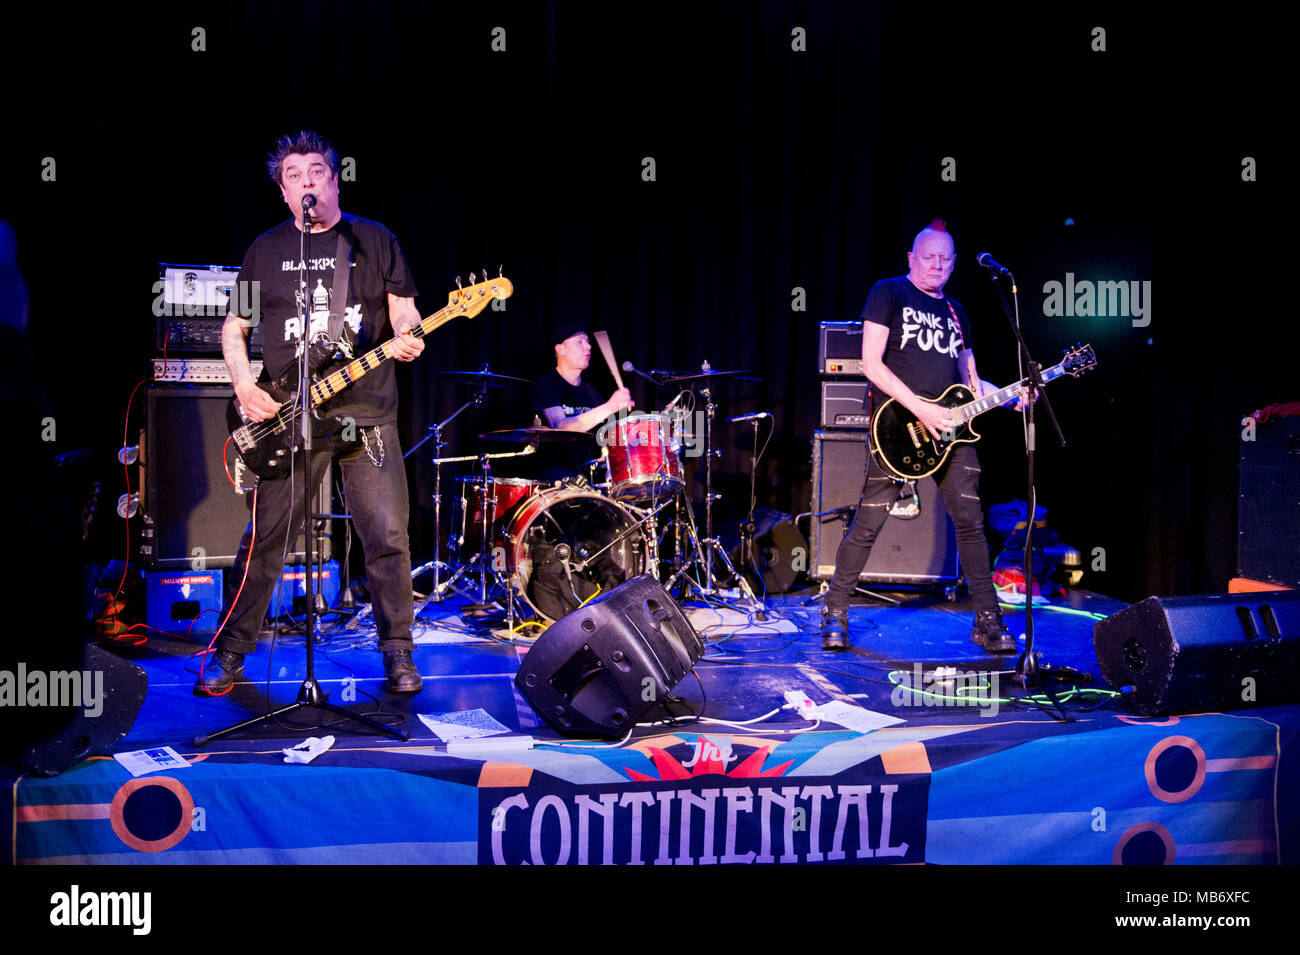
[
  {"x": 1027, "y": 673},
  {"x": 310, "y": 693}
]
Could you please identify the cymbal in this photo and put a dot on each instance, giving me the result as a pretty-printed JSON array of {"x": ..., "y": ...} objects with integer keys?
[
  {"x": 534, "y": 435},
  {"x": 485, "y": 379},
  {"x": 673, "y": 376}
]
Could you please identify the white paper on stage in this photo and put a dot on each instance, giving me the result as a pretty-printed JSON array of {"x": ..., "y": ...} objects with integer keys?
[
  {"x": 462, "y": 724},
  {"x": 141, "y": 761}
]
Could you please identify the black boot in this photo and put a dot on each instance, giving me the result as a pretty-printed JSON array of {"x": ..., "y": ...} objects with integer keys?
[
  {"x": 990, "y": 634},
  {"x": 400, "y": 670},
  {"x": 835, "y": 629},
  {"x": 219, "y": 674}
]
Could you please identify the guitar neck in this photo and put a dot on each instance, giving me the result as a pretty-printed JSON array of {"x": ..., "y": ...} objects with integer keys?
[
  {"x": 992, "y": 400},
  {"x": 354, "y": 370}
]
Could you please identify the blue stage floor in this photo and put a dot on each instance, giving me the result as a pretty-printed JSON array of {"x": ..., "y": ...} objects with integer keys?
[{"x": 989, "y": 778}]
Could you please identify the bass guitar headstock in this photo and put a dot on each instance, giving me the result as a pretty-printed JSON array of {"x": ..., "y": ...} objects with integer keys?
[{"x": 468, "y": 302}]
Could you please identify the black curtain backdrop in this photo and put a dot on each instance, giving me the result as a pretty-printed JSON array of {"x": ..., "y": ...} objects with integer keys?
[{"x": 781, "y": 176}]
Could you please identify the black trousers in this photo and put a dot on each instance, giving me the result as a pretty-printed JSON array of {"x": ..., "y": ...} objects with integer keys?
[
  {"x": 958, "y": 481},
  {"x": 377, "y": 499}
]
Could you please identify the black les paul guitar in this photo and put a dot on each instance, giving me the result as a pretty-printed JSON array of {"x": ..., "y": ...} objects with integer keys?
[
  {"x": 910, "y": 450},
  {"x": 267, "y": 447}
]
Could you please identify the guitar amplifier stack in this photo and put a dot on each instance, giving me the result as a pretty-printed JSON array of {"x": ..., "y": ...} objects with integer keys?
[
  {"x": 918, "y": 551},
  {"x": 193, "y": 496}
]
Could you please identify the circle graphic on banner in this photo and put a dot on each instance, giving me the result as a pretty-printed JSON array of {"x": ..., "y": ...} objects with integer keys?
[{"x": 152, "y": 815}]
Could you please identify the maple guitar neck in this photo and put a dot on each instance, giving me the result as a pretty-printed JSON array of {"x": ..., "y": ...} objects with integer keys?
[{"x": 353, "y": 371}]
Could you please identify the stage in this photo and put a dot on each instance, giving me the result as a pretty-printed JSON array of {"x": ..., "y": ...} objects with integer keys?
[{"x": 972, "y": 773}]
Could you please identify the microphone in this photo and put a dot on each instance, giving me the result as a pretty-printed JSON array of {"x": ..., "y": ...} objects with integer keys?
[
  {"x": 308, "y": 201},
  {"x": 988, "y": 262},
  {"x": 628, "y": 366},
  {"x": 756, "y": 416}
]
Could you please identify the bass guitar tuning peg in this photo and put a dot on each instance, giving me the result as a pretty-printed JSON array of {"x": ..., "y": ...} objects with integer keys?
[{"x": 458, "y": 285}]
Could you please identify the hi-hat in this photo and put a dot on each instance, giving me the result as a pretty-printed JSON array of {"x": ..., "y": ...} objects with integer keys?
[
  {"x": 673, "y": 376},
  {"x": 485, "y": 379},
  {"x": 534, "y": 435}
]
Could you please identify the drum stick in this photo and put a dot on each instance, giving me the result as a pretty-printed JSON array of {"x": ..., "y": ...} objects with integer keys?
[{"x": 602, "y": 339}]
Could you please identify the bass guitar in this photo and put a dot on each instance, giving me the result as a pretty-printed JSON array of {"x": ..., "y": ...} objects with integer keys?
[
  {"x": 910, "y": 450},
  {"x": 267, "y": 447}
]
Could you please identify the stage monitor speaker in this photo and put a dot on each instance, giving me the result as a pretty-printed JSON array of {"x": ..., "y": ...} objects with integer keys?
[
  {"x": 922, "y": 550},
  {"x": 596, "y": 670},
  {"x": 777, "y": 551},
  {"x": 110, "y": 690},
  {"x": 1191, "y": 654},
  {"x": 1268, "y": 504},
  {"x": 188, "y": 500}
]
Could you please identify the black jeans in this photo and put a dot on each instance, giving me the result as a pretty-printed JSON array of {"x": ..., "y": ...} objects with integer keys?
[
  {"x": 377, "y": 499},
  {"x": 958, "y": 481}
]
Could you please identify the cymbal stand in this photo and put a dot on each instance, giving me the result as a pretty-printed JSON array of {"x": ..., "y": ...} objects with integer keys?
[
  {"x": 709, "y": 453},
  {"x": 437, "y": 565}
]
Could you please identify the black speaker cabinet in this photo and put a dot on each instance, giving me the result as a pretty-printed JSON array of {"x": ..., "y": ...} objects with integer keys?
[
  {"x": 188, "y": 501},
  {"x": 778, "y": 550},
  {"x": 1268, "y": 504},
  {"x": 1190, "y": 654},
  {"x": 919, "y": 551},
  {"x": 596, "y": 670},
  {"x": 90, "y": 726}
]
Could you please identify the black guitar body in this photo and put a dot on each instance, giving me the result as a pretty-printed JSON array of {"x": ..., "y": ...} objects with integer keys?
[
  {"x": 267, "y": 447},
  {"x": 906, "y": 448}
]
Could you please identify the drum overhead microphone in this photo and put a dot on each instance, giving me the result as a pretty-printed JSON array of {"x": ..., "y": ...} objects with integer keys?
[{"x": 629, "y": 367}]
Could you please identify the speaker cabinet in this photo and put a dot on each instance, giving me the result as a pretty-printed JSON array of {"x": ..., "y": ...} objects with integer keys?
[
  {"x": 922, "y": 550},
  {"x": 596, "y": 670},
  {"x": 778, "y": 550},
  {"x": 1268, "y": 504},
  {"x": 188, "y": 501},
  {"x": 111, "y": 692},
  {"x": 1189, "y": 654}
]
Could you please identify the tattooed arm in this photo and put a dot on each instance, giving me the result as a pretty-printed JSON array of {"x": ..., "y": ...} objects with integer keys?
[{"x": 256, "y": 403}]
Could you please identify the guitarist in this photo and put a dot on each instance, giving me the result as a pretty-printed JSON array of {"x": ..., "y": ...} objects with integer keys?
[
  {"x": 915, "y": 343},
  {"x": 379, "y": 303}
]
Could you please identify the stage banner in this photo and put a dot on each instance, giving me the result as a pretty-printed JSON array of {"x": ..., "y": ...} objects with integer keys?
[{"x": 705, "y": 800}]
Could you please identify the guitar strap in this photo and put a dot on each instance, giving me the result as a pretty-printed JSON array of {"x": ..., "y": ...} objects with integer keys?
[
  {"x": 339, "y": 288},
  {"x": 973, "y": 385}
]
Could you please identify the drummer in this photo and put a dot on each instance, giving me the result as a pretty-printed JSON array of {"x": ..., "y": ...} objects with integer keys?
[{"x": 563, "y": 400}]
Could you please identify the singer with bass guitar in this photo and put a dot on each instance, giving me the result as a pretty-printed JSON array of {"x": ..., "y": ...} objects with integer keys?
[
  {"x": 352, "y": 290},
  {"x": 916, "y": 343}
]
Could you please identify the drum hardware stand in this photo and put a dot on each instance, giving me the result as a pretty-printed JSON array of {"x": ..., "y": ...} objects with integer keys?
[
  {"x": 436, "y": 565},
  {"x": 697, "y": 546},
  {"x": 709, "y": 453}
]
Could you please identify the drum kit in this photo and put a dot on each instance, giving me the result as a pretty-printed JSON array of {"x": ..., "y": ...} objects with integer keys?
[{"x": 540, "y": 549}]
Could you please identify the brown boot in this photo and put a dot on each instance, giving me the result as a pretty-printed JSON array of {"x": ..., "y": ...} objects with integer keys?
[
  {"x": 400, "y": 670},
  {"x": 219, "y": 674}
]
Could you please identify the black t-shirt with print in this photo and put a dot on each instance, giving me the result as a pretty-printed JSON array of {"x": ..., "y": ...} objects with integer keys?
[
  {"x": 378, "y": 267},
  {"x": 567, "y": 459},
  {"x": 924, "y": 338}
]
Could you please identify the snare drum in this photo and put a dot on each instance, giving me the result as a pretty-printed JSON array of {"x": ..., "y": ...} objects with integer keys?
[
  {"x": 565, "y": 545},
  {"x": 645, "y": 457},
  {"x": 485, "y": 506}
]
